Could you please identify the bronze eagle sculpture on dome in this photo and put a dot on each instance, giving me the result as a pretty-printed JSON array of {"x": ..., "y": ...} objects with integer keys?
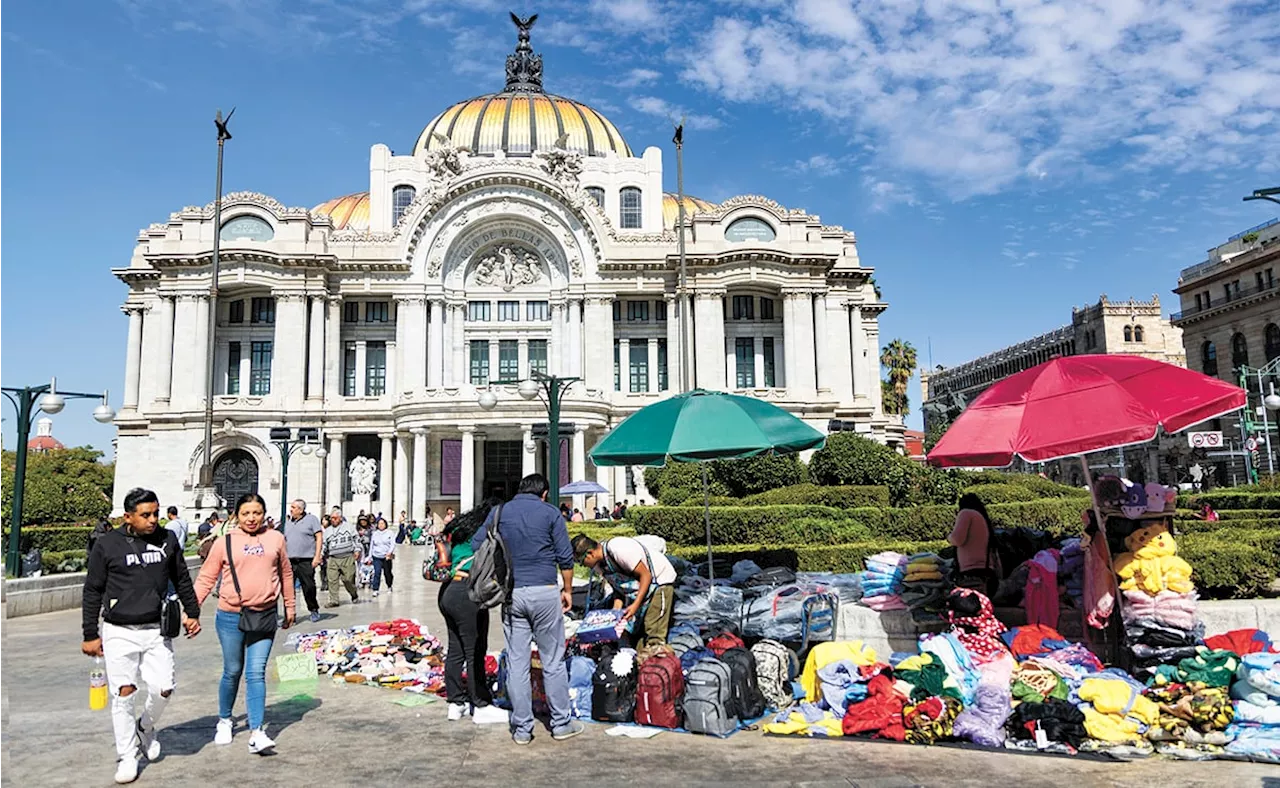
[{"x": 523, "y": 26}]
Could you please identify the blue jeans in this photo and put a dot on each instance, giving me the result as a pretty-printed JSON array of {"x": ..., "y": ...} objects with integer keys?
[
  {"x": 381, "y": 569},
  {"x": 534, "y": 615},
  {"x": 235, "y": 646}
]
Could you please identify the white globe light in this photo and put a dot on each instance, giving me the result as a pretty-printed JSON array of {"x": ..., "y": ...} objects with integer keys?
[
  {"x": 306, "y": 448},
  {"x": 1272, "y": 401},
  {"x": 322, "y": 452},
  {"x": 487, "y": 400},
  {"x": 529, "y": 389},
  {"x": 104, "y": 414},
  {"x": 52, "y": 403}
]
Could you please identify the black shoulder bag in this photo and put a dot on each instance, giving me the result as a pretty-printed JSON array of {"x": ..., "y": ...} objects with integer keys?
[{"x": 257, "y": 622}]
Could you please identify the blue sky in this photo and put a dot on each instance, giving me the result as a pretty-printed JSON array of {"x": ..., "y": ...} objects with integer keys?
[{"x": 999, "y": 162}]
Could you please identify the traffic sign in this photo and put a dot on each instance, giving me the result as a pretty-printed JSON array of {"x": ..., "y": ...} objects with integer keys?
[{"x": 1205, "y": 440}]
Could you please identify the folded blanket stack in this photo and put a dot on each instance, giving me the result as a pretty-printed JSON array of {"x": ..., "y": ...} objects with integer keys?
[
  {"x": 1071, "y": 570},
  {"x": 925, "y": 586},
  {"x": 882, "y": 581},
  {"x": 1256, "y": 730}
]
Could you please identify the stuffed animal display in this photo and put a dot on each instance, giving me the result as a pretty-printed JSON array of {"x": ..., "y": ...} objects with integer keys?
[{"x": 1152, "y": 564}]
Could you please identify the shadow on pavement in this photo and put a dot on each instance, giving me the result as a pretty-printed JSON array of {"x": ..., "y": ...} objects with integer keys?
[{"x": 191, "y": 737}]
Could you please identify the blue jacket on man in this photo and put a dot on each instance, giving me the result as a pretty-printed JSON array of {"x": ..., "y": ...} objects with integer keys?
[{"x": 537, "y": 540}]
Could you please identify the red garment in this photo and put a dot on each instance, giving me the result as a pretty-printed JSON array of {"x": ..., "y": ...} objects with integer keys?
[
  {"x": 880, "y": 713},
  {"x": 1241, "y": 641},
  {"x": 978, "y": 634},
  {"x": 1099, "y": 583},
  {"x": 1041, "y": 597},
  {"x": 1034, "y": 640}
]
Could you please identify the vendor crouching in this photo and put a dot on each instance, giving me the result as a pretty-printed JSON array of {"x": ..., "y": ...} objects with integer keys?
[{"x": 641, "y": 575}]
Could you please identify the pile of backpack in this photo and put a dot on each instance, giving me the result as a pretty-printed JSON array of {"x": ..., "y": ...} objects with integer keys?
[{"x": 712, "y": 686}]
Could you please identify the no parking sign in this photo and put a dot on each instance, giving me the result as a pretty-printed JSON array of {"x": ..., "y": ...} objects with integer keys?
[{"x": 1205, "y": 440}]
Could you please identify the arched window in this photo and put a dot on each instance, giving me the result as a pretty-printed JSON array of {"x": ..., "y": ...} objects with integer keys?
[
  {"x": 1271, "y": 338},
  {"x": 401, "y": 197},
  {"x": 1209, "y": 358},
  {"x": 1138, "y": 334},
  {"x": 629, "y": 215},
  {"x": 1239, "y": 351},
  {"x": 597, "y": 194},
  {"x": 1128, "y": 333}
]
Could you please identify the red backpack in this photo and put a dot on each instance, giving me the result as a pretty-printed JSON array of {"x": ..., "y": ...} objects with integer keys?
[
  {"x": 723, "y": 642},
  {"x": 659, "y": 692}
]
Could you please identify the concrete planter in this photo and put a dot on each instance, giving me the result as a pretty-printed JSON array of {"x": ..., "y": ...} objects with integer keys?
[{"x": 30, "y": 596}]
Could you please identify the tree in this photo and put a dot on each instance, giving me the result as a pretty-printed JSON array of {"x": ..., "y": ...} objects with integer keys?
[
  {"x": 935, "y": 433},
  {"x": 63, "y": 486},
  {"x": 899, "y": 360}
]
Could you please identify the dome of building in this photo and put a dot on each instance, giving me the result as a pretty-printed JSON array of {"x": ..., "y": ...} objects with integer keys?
[
  {"x": 522, "y": 118},
  {"x": 44, "y": 440},
  {"x": 692, "y": 205},
  {"x": 348, "y": 213}
]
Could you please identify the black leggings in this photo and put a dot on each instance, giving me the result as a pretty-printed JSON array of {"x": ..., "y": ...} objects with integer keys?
[{"x": 468, "y": 626}]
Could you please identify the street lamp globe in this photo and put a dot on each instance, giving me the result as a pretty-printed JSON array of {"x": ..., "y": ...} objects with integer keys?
[
  {"x": 306, "y": 448},
  {"x": 487, "y": 400},
  {"x": 1272, "y": 401},
  {"x": 52, "y": 403},
  {"x": 322, "y": 452},
  {"x": 528, "y": 389},
  {"x": 104, "y": 414}
]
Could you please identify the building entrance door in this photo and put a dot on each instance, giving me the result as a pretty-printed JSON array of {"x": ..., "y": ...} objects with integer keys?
[
  {"x": 501, "y": 468},
  {"x": 234, "y": 474}
]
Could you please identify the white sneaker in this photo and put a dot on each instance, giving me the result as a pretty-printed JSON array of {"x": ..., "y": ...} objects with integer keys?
[
  {"x": 375, "y": 594},
  {"x": 126, "y": 770},
  {"x": 490, "y": 715},
  {"x": 260, "y": 743},
  {"x": 224, "y": 734},
  {"x": 150, "y": 743},
  {"x": 458, "y": 710}
]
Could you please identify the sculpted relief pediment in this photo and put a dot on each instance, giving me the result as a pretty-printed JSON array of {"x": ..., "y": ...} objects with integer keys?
[{"x": 507, "y": 266}]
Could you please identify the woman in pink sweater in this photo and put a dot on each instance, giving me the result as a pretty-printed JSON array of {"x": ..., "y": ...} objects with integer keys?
[
  {"x": 972, "y": 536},
  {"x": 262, "y": 575}
]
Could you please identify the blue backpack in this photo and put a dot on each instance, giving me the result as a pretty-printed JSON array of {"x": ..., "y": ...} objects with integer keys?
[
  {"x": 689, "y": 658},
  {"x": 580, "y": 671}
]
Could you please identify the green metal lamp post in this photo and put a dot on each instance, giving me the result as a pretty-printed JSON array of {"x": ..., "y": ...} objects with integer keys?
[
  {"x": 1269, "y": 195},
  {"x": 308, "y": 440},
  {"x": 551, "y": 390},
  {"x": 25, "y": 402}
]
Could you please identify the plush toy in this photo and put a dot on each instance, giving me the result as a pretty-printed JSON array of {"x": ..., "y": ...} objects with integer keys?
[{"x": 1152, "y": 564}]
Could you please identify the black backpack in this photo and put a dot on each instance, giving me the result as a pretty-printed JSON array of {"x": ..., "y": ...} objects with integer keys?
[
  {"x": 744, "y": 684},
  {"x": 489, "y": 583},
  {"x": 613, "y": 697}
]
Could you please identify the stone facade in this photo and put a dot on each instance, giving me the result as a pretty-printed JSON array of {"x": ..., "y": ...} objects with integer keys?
[
  {"x": 1129, "y": 327},
  {"x": 379, "y": 318}
]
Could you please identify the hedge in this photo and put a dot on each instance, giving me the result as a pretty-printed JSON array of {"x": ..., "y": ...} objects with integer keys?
[
  {"x": 841, "y": 558},
  {"x": 53, "y": 538},
  {"x": 63, "y": 562},
  {"x": 1225, "y": 567},
  {"x": 1043, "y": 488},
  {"x": 599, "y": 532},
  {"x": 684, "y": 525},
  {"x": 1202, "y": 526},
  {"x": 1002, "y": 493},
  {"x": 1230, "y": 499},
  {"x": 840, "y": 497}
]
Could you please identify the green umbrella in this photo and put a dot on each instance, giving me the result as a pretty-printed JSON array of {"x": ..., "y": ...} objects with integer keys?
[{"x": 704, "y": 425}]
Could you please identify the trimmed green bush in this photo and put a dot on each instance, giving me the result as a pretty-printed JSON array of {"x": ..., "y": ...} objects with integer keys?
[
  {"x": 759, "y": 474},
  {"x": 1226, "y": 568},
  {"x": 57, "y": 563},
  {"x": 841, "y": 558},
  {"x": 848, "y": 458},
  {"x": 600, "y": 532},
  {"x": 1222, "y": 500},
  {"x": 840, "y": 497},
  {"x": 53, "y": 538},
  {"x": 684, "y": 525},
  {"x": 1002, "y": 493},
  {"x": 1193, "y": 526}
]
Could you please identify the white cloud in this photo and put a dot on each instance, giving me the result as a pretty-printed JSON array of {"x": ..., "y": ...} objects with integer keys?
[
  {"x": 630, "y": 14},
  {"x": 819, "y": 164},
  {"x": 639, "y": 76},
  {"x": 886, "y": 194},
  {"x": 652, "y": 105},
  {"x": 977, "y": 96}
]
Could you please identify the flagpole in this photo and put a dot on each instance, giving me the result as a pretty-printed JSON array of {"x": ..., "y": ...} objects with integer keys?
[{"x": 685, "y": 382}]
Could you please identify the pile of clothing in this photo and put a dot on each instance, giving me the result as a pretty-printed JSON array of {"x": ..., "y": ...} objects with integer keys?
[
  {"x": 399, "y": 654},
  {"x": 1256, "y": 729},
  {"x": 1071, "y": 570},
  {"x": 1193, "y": 719},
  {"x": 882, "y": 581},
  {"x": 925, "y": 585},
  {"x": 1115, "y": 709},
  {"x": 836, "y": 676}
]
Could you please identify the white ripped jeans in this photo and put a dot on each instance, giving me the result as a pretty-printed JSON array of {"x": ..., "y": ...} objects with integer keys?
[{"x": 133, "y": 653}]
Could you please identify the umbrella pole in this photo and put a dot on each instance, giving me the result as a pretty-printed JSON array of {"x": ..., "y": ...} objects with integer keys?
[{"x": 706, "y": 518}]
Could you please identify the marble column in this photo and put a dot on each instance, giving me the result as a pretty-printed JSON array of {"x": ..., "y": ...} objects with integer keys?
[
  {"x": 757, "y": 345},
  {"x": 522, "y": 358},
  {"x": 435, "y": 341},
  {"x": 385, "y": 475},
  {"x": 200, "y": 353},
  {"x": 495, "y": 356},
  {"x": 362, "y": 360},
  {"x": 164, "y": 316},
  {"x": 730, "y": 364},
  {"x": 459, "y": 363},
  {"x": 791, "y": 337},
  {"x": 578, "y": 464},
  {"x": 315, "y": 350},
  {"x": 801, "y": 352},
  {"x": 528, "y": 451},
  {"x": 839, "y": 358},
  {"x": 401, "y": 480},
  {"x": 479, "y": 469},
  {"x": 651, "y": 347},
  {"x": 181, "y": 366},
  {"x": 709, "y": 334},
  {"x": 335, "y": 464},
  {"x": 873, "y": 363},
  {"x": 412, "y": 312},
  {"x": 624, "y": 365},
  {"x": 597, "y": 327},
  {"x": 467, "y": 485},
  {"x": 575, "y": 337},
  {"x": 673, "y": 344},
  {"x": 289, "y": 350},
  {"x": 859, "y": 384},
  {"x": 555, "y": 348},
  {"x": 333, "y": 351},
  {"x": 393, "y": 382},
  {"x": 133, "y": 357},
  {"x": 420, "y": 454},
  {"x": 823, "y": 367},
  {"x": 604, "y": 478}
]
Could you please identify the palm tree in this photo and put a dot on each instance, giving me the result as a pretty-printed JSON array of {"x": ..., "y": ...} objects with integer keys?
[{"x": 899, "y": 359}]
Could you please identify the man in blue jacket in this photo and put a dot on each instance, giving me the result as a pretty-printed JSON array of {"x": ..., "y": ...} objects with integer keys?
[{"x": 538, "y": 549}]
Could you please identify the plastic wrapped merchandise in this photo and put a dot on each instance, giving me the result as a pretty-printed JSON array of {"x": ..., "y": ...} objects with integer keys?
[
  {"x": 744, "y": 571},
  {"x": 721, "y": 605},
  {"x": 847, "y": 586}
]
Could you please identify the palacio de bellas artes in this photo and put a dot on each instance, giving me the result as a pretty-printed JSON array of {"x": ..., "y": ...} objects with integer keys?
[{"x": 521, "y": 234}]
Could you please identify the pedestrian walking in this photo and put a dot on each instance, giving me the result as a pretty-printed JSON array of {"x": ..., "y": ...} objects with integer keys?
[
  {"x": 342, "y": 551},
  {"x": 537, "y": 543},
  {"x": 178, "y": 526},
  {"x": 254, "y": 566},
  {"x": 130, "y": 569},
  {"x": 382, "y": 548},
  {"x": 304, "y": 541},
  {"x": 467, "y": 623}
]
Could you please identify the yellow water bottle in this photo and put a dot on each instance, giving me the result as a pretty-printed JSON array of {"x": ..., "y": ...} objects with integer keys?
[{"x": 97, "y": 686}]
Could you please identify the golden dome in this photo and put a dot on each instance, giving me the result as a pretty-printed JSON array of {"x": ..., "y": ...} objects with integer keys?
[
  {"x": 692, "y": 205},
  {"x": 521, "y": 122},
  {"x": 348, "y": 213}
]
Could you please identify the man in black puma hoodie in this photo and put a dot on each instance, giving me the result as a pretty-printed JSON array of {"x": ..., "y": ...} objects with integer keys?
[{"x": 130, "y": 569}]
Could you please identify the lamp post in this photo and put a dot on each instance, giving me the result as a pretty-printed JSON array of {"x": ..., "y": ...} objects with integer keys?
[
  {"x": 1264, "y": 194},
  {"x": 206, "y": 466},
  {"x": 551, "y": 390},
  {"x": 1270, "y": 402},
  {"x": 308, "y": 440},
  {"x": 25, "y": 401}
]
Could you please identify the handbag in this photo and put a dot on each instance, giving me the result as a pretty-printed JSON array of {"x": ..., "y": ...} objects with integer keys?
[
  {"x": 170, "y": 617},
  {"x": 258, "y": 622}
]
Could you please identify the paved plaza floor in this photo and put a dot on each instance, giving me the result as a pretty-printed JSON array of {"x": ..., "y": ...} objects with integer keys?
[{"x": 351, "y": 735}]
